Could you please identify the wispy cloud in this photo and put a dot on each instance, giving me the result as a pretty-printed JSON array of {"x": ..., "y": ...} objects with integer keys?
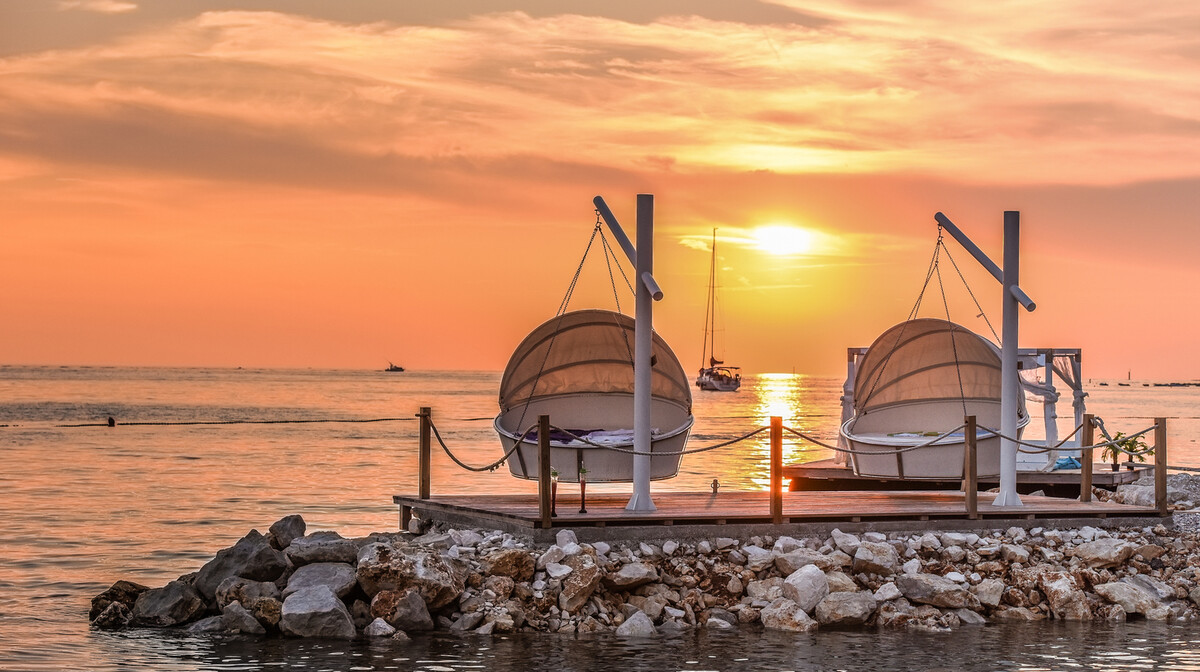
[{"x": 99, "y": 6}]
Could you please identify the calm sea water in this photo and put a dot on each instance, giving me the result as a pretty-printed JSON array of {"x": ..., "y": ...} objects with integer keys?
[{"x": 81, "y": 507}]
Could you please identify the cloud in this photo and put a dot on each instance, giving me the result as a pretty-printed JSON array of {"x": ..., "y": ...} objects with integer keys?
[{"x": 98, "y": 6}]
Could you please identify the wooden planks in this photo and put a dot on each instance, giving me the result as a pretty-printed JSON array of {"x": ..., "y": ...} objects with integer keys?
[{"x": 745, "y": 507}]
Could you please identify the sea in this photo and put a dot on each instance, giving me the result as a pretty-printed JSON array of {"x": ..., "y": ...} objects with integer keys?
[{"x": 198, "y": 457}]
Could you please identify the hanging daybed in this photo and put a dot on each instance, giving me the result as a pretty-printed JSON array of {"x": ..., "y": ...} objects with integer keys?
[
  {"x": 578, "y": 369},
  {"x": 918, "y": 380}
]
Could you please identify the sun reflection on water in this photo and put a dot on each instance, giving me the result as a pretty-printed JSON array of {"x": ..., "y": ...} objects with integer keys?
[{"x": 786, "y": 395}]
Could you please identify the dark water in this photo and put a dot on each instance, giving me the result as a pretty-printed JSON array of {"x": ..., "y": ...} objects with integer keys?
[{"x": 83, "y": 507}]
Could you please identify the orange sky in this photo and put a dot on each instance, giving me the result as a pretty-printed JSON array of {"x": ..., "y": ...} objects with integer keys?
[{"x": 305, "y": 183}]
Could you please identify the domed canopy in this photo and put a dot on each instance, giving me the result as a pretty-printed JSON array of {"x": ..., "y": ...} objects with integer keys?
[
  {"x": 587, "y": 351},
  {"x": 927, "y": 360}
]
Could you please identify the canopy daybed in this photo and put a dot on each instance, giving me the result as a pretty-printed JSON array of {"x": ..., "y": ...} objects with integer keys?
[{"x": 578, "y": 369}]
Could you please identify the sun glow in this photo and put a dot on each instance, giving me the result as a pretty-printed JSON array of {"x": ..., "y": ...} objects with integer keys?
[{"x": 782, "y": 239}]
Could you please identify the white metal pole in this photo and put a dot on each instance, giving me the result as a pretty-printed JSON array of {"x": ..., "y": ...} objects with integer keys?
[
  {"x": 1009, "y": 385},
  {"x": 642, "y": 343}
]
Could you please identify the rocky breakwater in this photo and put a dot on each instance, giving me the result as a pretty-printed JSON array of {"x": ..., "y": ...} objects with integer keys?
[{"x": 469, "y": 581}]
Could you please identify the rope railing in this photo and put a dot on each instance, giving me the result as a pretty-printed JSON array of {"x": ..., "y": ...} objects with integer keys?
[
  {"x": 488, "y": 467},
  {"x": 1116, "y": 444},
  {"x": 179, "y": 423},
  {"x": 628, "y": 451},
  {"x": 924, "y": 444}
]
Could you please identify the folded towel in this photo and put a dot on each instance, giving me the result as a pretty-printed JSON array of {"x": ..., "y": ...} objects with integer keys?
[{"x": 1067, "y": 463}]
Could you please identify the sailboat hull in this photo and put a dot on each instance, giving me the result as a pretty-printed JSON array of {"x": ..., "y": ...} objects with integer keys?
[{"x": 718, "y": 382}]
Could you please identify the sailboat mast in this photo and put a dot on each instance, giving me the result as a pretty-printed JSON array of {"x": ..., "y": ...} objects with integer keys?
[{"x": 710, "y": 308}]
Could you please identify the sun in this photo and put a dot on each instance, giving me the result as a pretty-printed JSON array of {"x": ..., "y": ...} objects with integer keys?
[{"x": 782, "y": 239}]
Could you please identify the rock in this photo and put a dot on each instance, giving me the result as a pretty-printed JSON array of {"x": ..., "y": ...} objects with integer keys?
[
  {"x": 284, "y": 531},
  {"x": 1013, "y": 553},
  {"x": 466, "y": 538},
  {"x": 122, "y": 592},
  {"x": 968, "y": 617},
  {"x": 886, "y": 592},
  {"x": 403, "y": 610},
  {"x": 235, "y": 618},
  {"x": 806, "y": 587},
  {"x": 175, "y": 603},
  {"x": 251, "y": 557},
  {"x": 385, "y": 567},
  {"x": 1104, "y": 552},
  {"x": 988, "y": 592},
  {"x": 338, "y": 577},
  {"x": 322, "y": 547},
  {"x": 557, "y": 571},
  {"x": 602, "y": 548},
  {"x": 788, "y": 563},
  {"x": 911, "y": 567},
  {"x": 486, "y": 628},
  {"x": 1065, "y": 596},
  {"x": 714, "y": 623},
  {"x": 631, "y": 576},
  {"x": 467, "y": 622},
  {"x": 929, "y": 541},
  {"x": 638, "y": 625},
  {"x": 784, "y": 614},
  {"x": 875, "y": 558},
  {"x": 934, "y": 590},
  {"x": 316, "y": 612},
  {"x": 786, "y": 544},
  {"x": 502, "y": 586},
  {"x": 758, "y": 559},
  {"x": 1110, "y": 613},
  {"x": 244, "y": 591},
  {"x": 839, "y": 582},
  {"x": 206, "y": 626},
  {"x": 845, "y": 609},
  {"x": 1194, "y": 596},
  {"x": 1133, "y": 599},
  {"x": 769, "y": 589},
  {"x": 1153, "y": 586},
  {"x": 579, "y": 585},
  {"x": 1016, "y": 615},
  {"x": 379, "y": 628},
  {"x": 564, "y": 537},
  {"x": 949, "y": 539},
  {"x": 723, "y": 543},
  {"x": 669, "y": 547},
  {"x": 846, "y": 543},
  {"x": 114, "y": 617},
  {"x": 516, "y": 564},
  {"x": 268, "y": 611},
  {"x": 552, "y": 556}
]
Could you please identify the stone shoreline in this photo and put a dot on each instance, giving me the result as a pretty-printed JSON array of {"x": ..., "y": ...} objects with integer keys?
[{"x": 477, "y": 581}]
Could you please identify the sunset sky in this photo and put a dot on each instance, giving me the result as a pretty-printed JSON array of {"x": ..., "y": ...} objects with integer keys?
[{"x": 339, "y": 184}]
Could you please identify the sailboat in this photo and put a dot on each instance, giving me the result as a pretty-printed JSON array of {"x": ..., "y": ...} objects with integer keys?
[{"x": 714, "y": 375}]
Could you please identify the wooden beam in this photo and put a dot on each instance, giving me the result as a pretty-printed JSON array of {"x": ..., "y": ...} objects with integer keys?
[
  {"x": 423, "y": 454},
  {"x": 1160, "y": 466},
  {"x": 1086, "y": 457},
  {"x": 970, "y": 464},
  {"x": 776, "y": 469},
  {"x": 544, "y": 470}
]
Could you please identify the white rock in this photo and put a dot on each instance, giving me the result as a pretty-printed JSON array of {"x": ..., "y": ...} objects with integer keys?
[
  {"x": 637, "y": 625},
  {"x": 572, "y": 549},
  {"x": 715, "y": 623},
  {"x": 1016, "y": 533},
  {"x": 877, "y": 537},
  {"x": 565, "y": 537},
  {"x": 704, "y": 548},
  {"x": 806, "y": 587},
  {"x": 554, "y": 554},
  {"x": 846, "y": 543},
  {"x": 647, "y": 550},
  {"x": 887, "y": 591},
  {"x": 602, "y": 548},
  {"x": 954, "y": 539},
  {"x": 758, "y": 559},
  {"x": 723, "y": 543},
  {"x": 379, "y": 628},
  {"x": 955, "y": 576},
  {"x": 670, "y": 546},
  {"x": 911, "y": 567},
  {"x": 786, "y": 544},
  {"x": 1087, "y": 533},
  {"x": 930, "y": 541},
  {"x": 557, "y": 571},
  {"x": 673, "y": 612}
]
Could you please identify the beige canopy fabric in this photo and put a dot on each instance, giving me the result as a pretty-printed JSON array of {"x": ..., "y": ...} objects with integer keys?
[
  {"x": 587, "y": 351},
  {"x": 927, "y": 360}
]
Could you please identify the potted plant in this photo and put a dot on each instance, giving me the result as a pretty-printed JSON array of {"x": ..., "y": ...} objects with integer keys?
[
  {"x": 1131, "y": 444},
  {"x": 582, "y": 489}
]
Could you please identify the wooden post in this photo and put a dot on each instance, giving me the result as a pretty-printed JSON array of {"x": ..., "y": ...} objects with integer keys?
[
  {"x": 776, "y": 469},
  {"x": 405, "y": 517},
  {"x": 1160, "y": 466},
  {"x": 423, "y": 454},
  {"x": 544, "y": 508},
  {"x": 1085, "y": 457},
  {"x": 971, "y": 466}
]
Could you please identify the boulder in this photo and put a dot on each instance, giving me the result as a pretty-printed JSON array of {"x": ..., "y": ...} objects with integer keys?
[
  {"x": 283, "y": 531},
  {"x": 845, "y": 609},
  {"x": 1104, "y": 552},
  {"x": 174, "y": 603},
  {"x": 886, "y": 592},
  {"x": 806, "y": 587},
  {"x": 123, "y": 592},
  {"x": 988, "y": 592},
  {"x": 338, "y": 577},
  {"x": 387, "y": 567},
  {"x": 502, "y": 586},
  {"x": 1016, "y": 615},
  {"x": 403, "y": 610},
  {"x": 322, "y": 547},
  {"x": 1132, "y": 598},
  {"x": 114, "y": 617},
  {"x": 787, "y": 563},
  {"x": 968, "y": 617},
  {"x": 846, "y": 543},
  {"x": 206, "y": 626},
  {"x": 514, "y": 563},
  {"x": 251, "y": 557},
  {"x": 235, "y": 618},
  {"x": 875, "y": 558},
  {"x": 638, "y": 625},
  {"x": 631, "y": 576},
  {"x": 1153, "y": 586},
  {"x": 757, "y": 558},
  {"x": 379, "y": 628},
  {"x": 934, "y": 590},
  {"x": 268, "y": 611},
  {"x": 1014, "y": 553},
  {"x": 316, "y": 612},
  {"x": 770, "y": 589},
  {"x": 579, "y": 585},
  {"x": 245, "y": 591},
  {"x": 840, "y": 582},
  {"x": 1065, "y": 596},
  {"x": 784, "y": 614}
]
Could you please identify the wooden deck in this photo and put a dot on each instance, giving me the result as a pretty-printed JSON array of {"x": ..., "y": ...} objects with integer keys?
[
  {"x": 827, "y": 475},
  {"x": 915, "y": 509}
]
